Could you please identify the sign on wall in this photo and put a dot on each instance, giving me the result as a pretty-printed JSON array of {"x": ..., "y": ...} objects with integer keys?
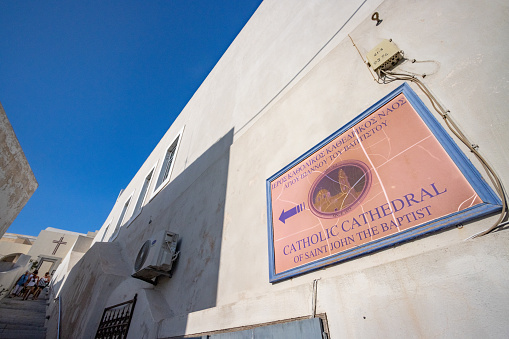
[{"x": 389, "y": 175}]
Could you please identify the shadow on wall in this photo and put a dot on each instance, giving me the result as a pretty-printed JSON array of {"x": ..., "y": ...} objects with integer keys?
[
  {"x": 197, "y": 215},
  {"x": 191, "y": 205}
]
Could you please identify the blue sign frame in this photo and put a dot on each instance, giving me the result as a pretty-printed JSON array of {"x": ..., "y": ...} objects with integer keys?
[{"x": 490, "y": 201}]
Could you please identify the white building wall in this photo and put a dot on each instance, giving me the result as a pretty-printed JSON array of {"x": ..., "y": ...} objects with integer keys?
[{"x": 282, "y": 87}]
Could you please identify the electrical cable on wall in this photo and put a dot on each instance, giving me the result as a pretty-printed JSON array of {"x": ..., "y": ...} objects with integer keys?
[
  {"x": 444, "y": 113},
  {"x": 386, "y": 77}
]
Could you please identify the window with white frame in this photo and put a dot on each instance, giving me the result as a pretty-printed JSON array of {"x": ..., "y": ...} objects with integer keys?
[
  {"x": 105, "y": 232},
  {"x": 143, "y": 193},
  {"x": 121, "y": 217},
  {"x": 167, "y": 165}
]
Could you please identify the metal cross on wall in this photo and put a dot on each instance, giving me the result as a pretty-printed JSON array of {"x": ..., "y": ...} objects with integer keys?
[{"x": 58, "y": 242}]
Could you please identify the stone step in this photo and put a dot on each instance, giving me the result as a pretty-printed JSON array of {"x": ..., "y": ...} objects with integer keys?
[
  {"x": 25, "y": 305},
  {"x": 22, "y": 319},
  {"x": 18, "y": 326},
  {"x": 23, "y": 334}
]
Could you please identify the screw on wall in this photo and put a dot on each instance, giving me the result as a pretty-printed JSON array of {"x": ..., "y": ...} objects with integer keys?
[{"x": 376, "y": 17}]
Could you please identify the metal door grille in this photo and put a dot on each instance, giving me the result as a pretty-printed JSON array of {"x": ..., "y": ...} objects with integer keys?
[{"x": 116, "y": 320}]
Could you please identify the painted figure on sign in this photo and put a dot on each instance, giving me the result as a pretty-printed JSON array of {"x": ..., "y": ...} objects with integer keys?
[{"x": 324, "y": 202}]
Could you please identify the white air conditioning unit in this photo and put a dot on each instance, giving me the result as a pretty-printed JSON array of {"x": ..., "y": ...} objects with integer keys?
[{"x": 156, "y": 256}]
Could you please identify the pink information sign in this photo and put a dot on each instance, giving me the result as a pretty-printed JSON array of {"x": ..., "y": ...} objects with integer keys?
[{"x": 389, "y": 175}]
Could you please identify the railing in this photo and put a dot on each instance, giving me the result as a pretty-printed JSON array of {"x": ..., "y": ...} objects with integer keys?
[
  {"x": 115, "y": 320},
  {"x": 59, "y": 298}
]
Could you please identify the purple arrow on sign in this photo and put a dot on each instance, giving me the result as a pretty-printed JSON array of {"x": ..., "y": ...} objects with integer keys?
[{"x": 291, "y": 212}]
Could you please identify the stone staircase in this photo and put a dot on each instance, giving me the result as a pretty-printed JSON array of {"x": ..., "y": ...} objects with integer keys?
[{"x": 21, "y": 319}]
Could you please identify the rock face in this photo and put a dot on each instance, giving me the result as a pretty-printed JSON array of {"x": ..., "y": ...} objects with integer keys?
[{"x": 17, "y": 181}]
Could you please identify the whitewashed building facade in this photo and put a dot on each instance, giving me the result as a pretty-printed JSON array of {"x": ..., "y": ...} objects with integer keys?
[{"x": 295, "y": 75}]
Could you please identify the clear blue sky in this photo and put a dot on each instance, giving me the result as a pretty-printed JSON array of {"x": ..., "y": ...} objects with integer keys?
[{"x": 90, "y": 87}]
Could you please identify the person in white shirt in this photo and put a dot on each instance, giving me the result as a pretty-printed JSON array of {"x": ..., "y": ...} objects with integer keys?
[{"x": 31, "y": 284}]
